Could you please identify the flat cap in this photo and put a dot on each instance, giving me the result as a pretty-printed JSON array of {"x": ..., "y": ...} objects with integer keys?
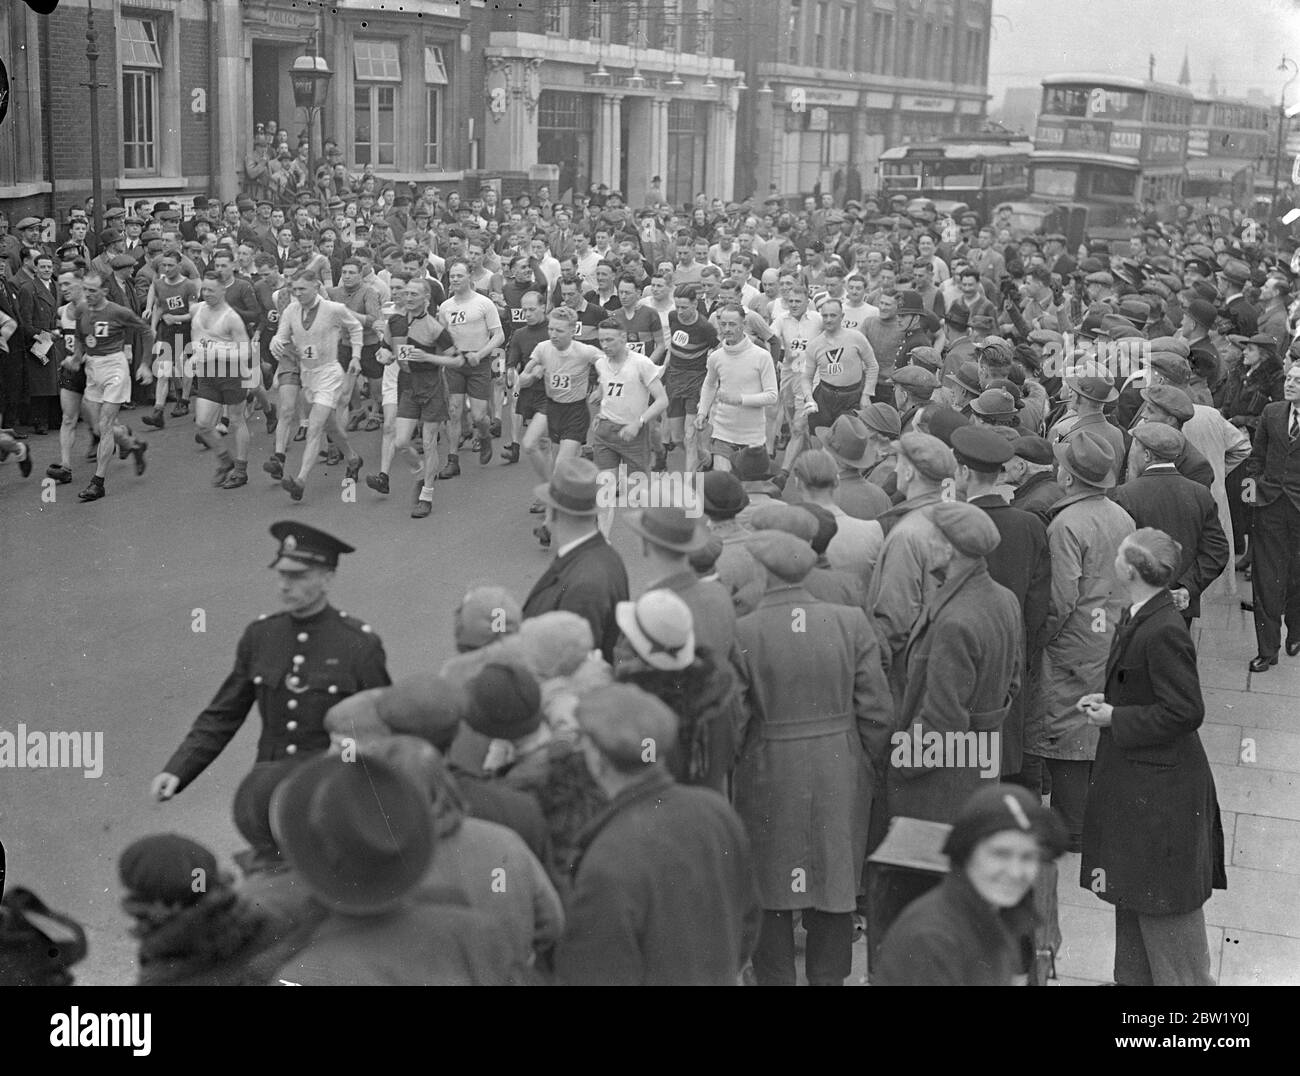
[
  {"x": 881, "y": 418},
  {"x": 28, "y": 222},
  {"x": 968, "y": 528},
  {"x": 1100, "y": 278},
  {"x": 1236, "y": 271},
  {"x": 927, "y": 454},
  {"x": 1176, "y": 368},
  {"x": 1172, "y": 343},
  {"x": 1033, "y": 449},
  {"x": 1164, "y": 442},
  {"x": 1172, "y": 400},
  {"x": 782, "y": 554},
  {"x": 917, "y": 381}
]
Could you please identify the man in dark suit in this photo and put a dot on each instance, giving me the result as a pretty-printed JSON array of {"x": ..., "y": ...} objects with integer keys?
[
  {"x": 1234, "y": 278},
  {"x": 1274, "y": 467},
  {"x": 1021, "y": 562},
  {"x": 38, "y": 312},
  {"x": 1156, "y": 495},
  {"x": 587, "y": 576}
]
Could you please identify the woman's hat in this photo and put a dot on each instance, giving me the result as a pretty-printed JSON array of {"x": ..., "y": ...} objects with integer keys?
[
  {"x": 996, "y": 808},
  {"x": 360, "y": 833},
  {"x": 660, "y": 628}
]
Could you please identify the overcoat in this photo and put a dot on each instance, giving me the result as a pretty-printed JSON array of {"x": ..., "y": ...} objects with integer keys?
[
  {"x": 589, "y": 580},
  {"x": 813, "y": 739},
  {"x": 1152, "y": 832},
  {"x": 963, "y": 668},
  {"x": 38, "y": 310}
]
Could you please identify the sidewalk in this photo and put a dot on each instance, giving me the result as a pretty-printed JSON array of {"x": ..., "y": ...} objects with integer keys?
[{"x": 1252, "y": 737}]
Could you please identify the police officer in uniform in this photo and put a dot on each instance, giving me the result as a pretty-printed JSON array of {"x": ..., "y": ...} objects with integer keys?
[{"x": 295, "y": 664}]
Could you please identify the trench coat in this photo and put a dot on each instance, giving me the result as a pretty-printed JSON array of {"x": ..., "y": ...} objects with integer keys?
[
  {"x": 813, "y": 739},
  {"x": 963, "y": 669},
  {"x": 1084, "y": 535},
  {"x": 1152, "y": 825},
  {"x": 1225, "y": 446},
  {"x": 38, "y": 310}
]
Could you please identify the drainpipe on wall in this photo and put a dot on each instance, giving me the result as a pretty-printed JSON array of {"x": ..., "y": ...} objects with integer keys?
[
  {"x": 214, "y": 104},
  {"x": 46, "y": 111}
]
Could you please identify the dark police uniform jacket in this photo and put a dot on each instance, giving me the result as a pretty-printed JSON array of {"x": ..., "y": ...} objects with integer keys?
[{"x": 295, "y": 670}]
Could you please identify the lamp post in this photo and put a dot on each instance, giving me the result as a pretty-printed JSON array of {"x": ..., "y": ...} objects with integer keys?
[
  {"x": 1285, "y": 65},
  {"x": 310, "y": 76},
  {"x": 94, "y": 85}
]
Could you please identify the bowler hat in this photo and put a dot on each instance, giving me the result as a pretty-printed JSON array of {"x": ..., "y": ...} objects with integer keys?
[
  {"x": 361, "y": 835},
  {"x": 669, "y": 528},
  {"x": 660, "y": 628},
  {"x": 572, "y": 487},
  {"x": 163, "y": 868},
  {"x": 1088, "y": 458},
  {"x": 1202, "y": 312},
  {"x": 724, "y": 496},
  {"x": 846, "y": 439},
  {"x": 910, "y": 304}
]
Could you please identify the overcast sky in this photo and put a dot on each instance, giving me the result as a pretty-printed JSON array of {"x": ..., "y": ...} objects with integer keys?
[{"x": 1241, "y": 41}]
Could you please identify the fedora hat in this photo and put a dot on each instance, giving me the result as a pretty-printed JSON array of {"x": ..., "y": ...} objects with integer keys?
[
  {"x": 670, "y": 528},
  {"x": 958, "y": 315},
  {"x": 967, "y": 377},
  {"x": 846, "y": 439},
  {"x": 660, "y": 628},
  {"x": 572, "y": 487},
  {"x": 360, "y": 835},
  {"x": 1088, "y": 458},
  {"x": 910, "y": 304}
]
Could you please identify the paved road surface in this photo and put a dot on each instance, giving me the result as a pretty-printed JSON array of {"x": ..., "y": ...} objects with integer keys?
[{"x": 96, "y": 624}]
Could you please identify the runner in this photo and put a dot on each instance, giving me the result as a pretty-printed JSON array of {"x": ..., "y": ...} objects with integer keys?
[
  {"x": 795, "y": 329},
  {"x": 221, "y": 361},
  {"x": 509, "y": 300},
  {"x": 72, "y": 381},
  {"x": 312, "y": 326},
  {"x": 530, "y": 400},
  {"x": 475, "y": 326},
  {"x": 738, "y": 389},
  {"x": 691, "y": 339},
  {"x": 168, "y": 307},
  {"x": 103, "y": 332},
  {"x": 423, "y": 349},
  {"x": 564, "y": 365},
  {"x": 364, "y": 301},
  {"x": 839, "y": 371},
  {"x": 632, "y": 397}
]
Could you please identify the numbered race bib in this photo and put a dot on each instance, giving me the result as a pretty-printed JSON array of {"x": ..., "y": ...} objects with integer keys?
[
  {"x": 681, "y": 338},
  {"x": 799, "y": 345},
  {"x": 174, "y": 302},
  {"x": 615, "y": 388},
  {"x": 309, "y": 352},
  {"x": 636, "y": 347},
  {"x": 517, "y": 315},
  {"x": 834, "y": 368},
  {"x": 457, "y": 317},
  {"x": 404, "y": 353},
  {"x": 70, "y": 342},
  {"x": 560, "y": 382},
  {"x": 272, "y": 316}
]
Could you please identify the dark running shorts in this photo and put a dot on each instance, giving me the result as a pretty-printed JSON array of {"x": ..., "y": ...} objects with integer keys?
[
  {"x": 568, "y": 421},
  {"x": 472, "y": 381},
  {"x": 222, "y": 390}
]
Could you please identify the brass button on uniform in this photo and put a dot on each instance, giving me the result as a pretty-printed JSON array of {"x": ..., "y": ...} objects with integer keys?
[
  {"x": 291, "y": 725},
  {"x": 302, "y": 637},
  {"x": 292, "y": 749},
  {"x": 292, "y": 704}
]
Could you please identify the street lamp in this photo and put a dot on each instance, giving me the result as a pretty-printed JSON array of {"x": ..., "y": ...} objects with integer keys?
[
  {"x": 94, "y": 85},
  {"x": 310, "y": 76},
  {"x": 1285, "y": 65}
]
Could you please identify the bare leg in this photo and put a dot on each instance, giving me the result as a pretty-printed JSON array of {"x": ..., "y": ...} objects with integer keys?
[{"x": 537, "y": 446}]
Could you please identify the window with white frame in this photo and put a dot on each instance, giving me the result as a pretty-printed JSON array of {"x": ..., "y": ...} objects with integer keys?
[
  {"x": 435, "y": 79},
  {"x": 552, "y": 17},
  {"x": 378, "y": 70},
  {"x": 141, "y": 70}
]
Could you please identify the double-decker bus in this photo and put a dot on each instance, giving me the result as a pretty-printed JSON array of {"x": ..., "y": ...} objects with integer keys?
[
  {"x": 1229, "y": 142},
  {"x": 1109, "y": 143},
  {"x": 979, "y": 172}
]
